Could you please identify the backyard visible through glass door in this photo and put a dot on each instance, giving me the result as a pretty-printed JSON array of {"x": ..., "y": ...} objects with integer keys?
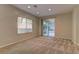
[{"x": 49, "y": 27}]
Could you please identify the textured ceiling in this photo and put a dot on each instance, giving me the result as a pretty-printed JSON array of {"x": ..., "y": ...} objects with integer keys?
[{"x": 43, "y": 9}]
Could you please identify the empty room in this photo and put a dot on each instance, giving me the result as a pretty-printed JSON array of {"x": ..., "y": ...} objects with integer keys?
[{"x": 39, "y": 28}]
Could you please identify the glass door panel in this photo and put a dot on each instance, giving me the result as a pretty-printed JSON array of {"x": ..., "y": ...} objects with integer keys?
[{"x": 49, "y": 27}]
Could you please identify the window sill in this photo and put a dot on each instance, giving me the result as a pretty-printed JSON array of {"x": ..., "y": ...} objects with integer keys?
[{"x": 24, "y": 33}]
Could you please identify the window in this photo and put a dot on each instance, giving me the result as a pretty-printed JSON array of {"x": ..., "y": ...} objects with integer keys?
[{"x": 24, "y": 25}]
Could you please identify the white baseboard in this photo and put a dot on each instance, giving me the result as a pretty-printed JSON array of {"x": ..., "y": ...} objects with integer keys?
[{"x": 14, "y": 42}]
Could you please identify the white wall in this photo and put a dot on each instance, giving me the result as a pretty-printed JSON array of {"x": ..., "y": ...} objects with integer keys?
[
  {"x": 8, "y": 25},
  {"x": 76, "y": 25},
  {"x": 64, "y": 26}
]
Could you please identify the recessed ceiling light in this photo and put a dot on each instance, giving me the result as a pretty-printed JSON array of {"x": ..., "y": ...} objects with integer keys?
[
  {"x": 49, "y": 9},
  {"x": 37, "y": 12},
  {"x": 35, "y": 6},
  {"x": 28, "y": 6}
]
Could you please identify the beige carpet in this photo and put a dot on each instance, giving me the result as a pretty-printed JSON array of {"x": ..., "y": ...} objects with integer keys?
[{"x": 42, "y": 45}]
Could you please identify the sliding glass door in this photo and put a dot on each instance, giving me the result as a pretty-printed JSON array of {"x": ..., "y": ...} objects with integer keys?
[{"x": 49, "y": 27}]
